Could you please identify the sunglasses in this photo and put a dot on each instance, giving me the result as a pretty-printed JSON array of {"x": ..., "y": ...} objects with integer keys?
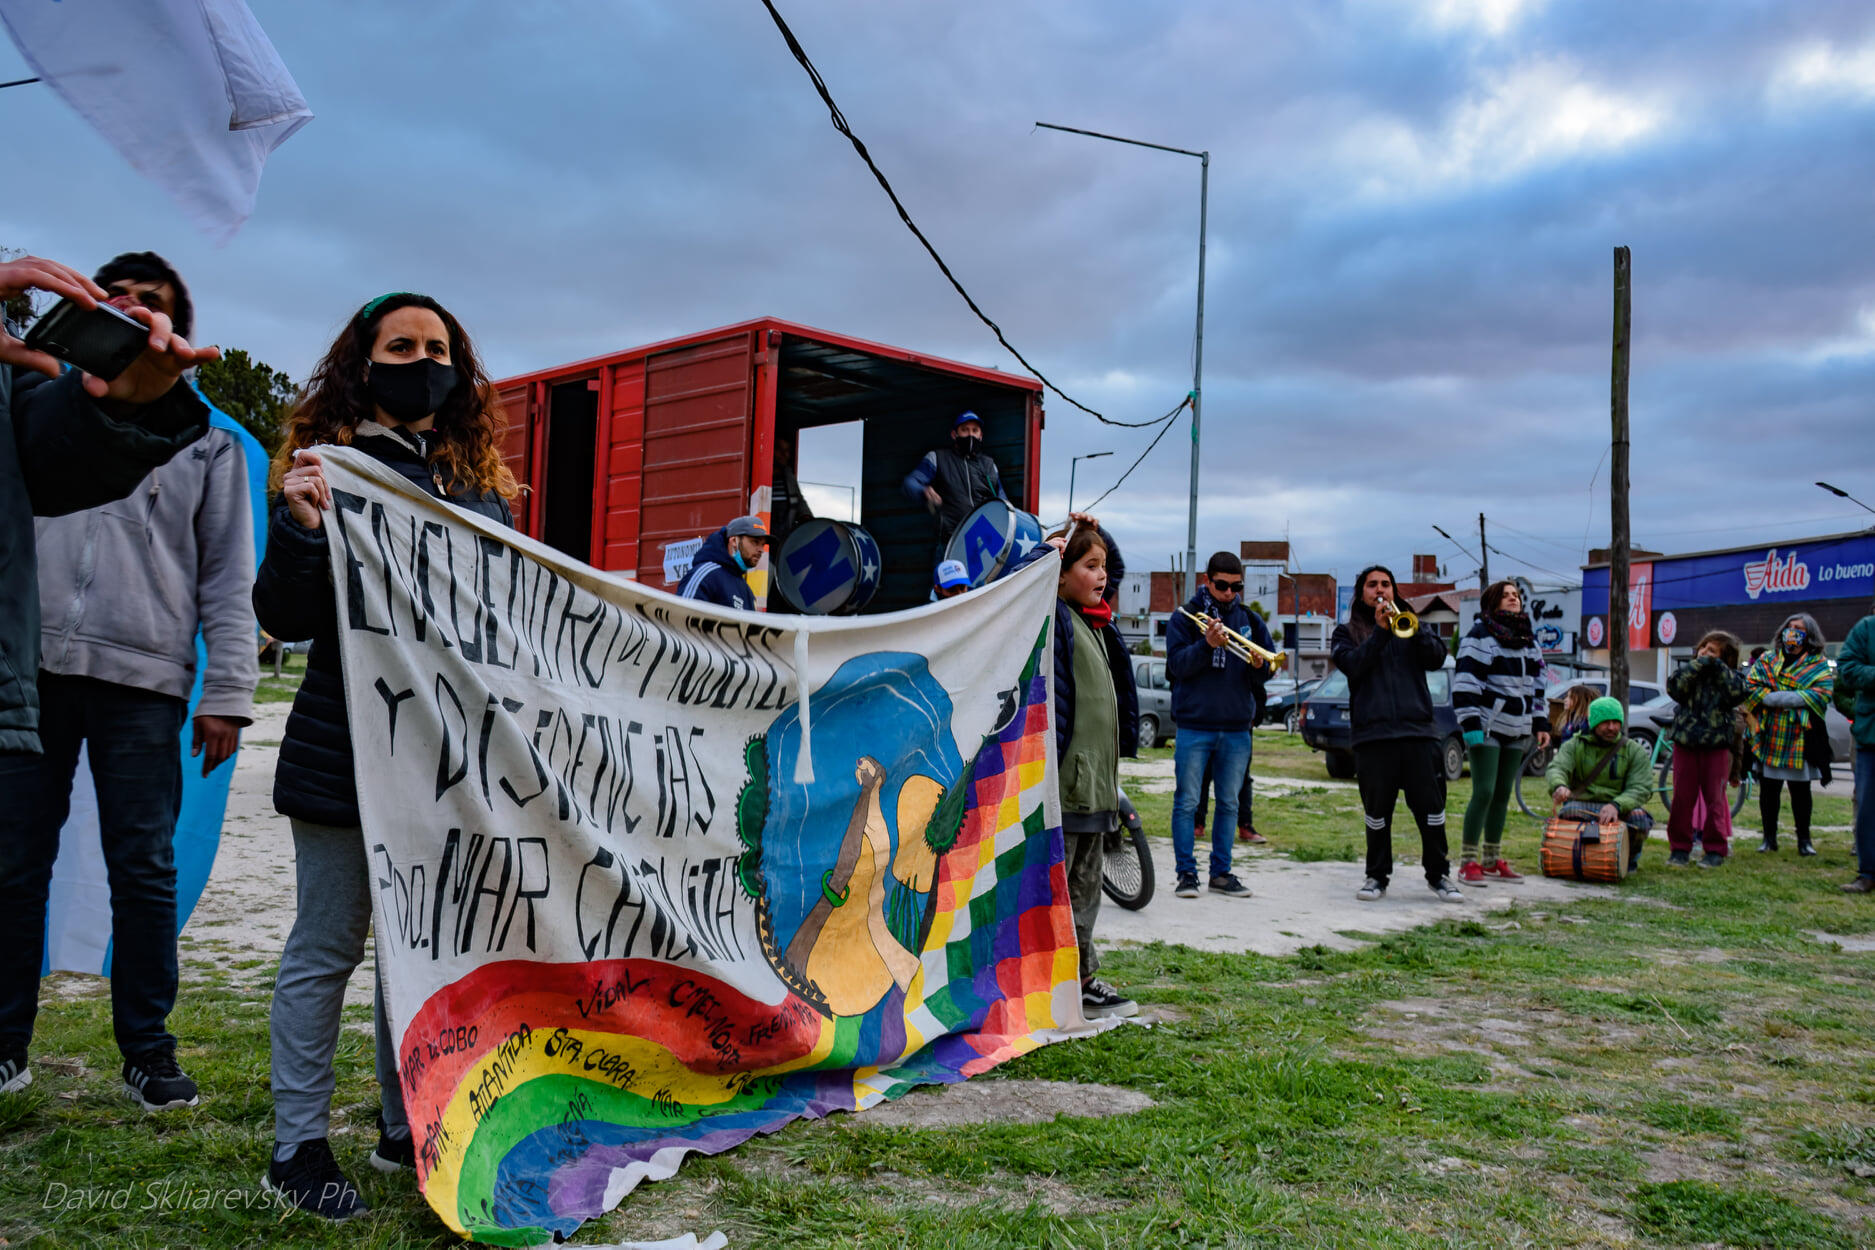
[{"x": 1221, "y": 586}]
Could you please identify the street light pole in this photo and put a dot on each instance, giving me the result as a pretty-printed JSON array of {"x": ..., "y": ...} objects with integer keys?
[
  {"x": 1074, "y": 464},
  {"x": 1840, "y": 493},
  {"x": 1197, "y": 356}
]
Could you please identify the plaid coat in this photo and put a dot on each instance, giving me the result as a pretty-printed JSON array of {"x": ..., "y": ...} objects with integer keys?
[{"x": 1781, "y": 729}]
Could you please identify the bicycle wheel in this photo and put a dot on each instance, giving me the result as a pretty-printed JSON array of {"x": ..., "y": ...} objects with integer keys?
[
  {"x": 1126, "y": 876},
  {"x": 1533, "y": 754},
  {"x": 1663, "y": 783},
  {"x": 1744, "y": 793}
]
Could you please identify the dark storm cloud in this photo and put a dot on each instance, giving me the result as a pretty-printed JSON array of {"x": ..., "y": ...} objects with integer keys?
[{"x": 1412, "y": 211}]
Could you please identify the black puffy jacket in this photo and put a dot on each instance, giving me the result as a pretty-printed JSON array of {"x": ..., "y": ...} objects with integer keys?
[{"x": 294, "y": 600}]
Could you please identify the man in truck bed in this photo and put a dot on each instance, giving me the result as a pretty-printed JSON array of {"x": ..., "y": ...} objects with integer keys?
[
  {"x": 954, "y": 481},
  {"x": 718, "y": 573}
]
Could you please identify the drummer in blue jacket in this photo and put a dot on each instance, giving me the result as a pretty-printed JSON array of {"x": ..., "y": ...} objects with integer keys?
[
  {"x": 719, "y": 570},
  {"x": 955, "y": 481}
]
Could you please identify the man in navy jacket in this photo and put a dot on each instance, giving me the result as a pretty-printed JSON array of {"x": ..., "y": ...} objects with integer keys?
[
  {"x": 719, "y": 571},
  {"x": 1215, "y": 694}
]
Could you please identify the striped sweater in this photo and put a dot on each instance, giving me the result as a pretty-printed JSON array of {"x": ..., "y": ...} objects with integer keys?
[{"x": 1498, "y": 691}]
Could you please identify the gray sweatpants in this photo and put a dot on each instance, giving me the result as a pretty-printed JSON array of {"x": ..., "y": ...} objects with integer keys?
[{"x": 322, "y": 952}]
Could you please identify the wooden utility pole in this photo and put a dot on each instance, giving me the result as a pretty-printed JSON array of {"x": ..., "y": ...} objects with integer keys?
[
  {"x": 1484, "y": 557},
  {"x": 1618, "y": 490}
]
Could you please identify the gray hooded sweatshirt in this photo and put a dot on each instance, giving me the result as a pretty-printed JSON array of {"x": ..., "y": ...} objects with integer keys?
[{"x": 123, "y": 587}]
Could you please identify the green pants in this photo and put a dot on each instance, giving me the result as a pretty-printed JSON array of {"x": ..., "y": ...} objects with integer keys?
[
  {"x": 1087, "y": 857},
  {"x": 1494, "y": 768}
]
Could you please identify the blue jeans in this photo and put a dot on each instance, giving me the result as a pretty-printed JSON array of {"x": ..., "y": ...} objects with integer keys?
[
  {"x": 136, "y": 768},
  {"x": 1227, "y": 753},
  {"x": 1865, "y": 811}
]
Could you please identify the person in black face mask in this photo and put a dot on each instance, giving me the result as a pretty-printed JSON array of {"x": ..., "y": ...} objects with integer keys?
[
  {"x": 954, "y": 481},
  {"x": 402, "y": 384}
]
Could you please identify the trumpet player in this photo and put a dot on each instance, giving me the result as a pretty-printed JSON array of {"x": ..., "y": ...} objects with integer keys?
[
  {"x": 1395, "y": 743},
  {"x": 1217, "y": 687}
]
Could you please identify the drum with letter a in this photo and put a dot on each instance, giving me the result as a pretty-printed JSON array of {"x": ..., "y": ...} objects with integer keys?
[
  {"x": 991, "y": 539},
  {"x": 828, "y": 568},
  {"x": 1585, "y": 848}
]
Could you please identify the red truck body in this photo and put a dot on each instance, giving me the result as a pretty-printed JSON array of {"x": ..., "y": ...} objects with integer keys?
[{"x": 628, "y": 453}]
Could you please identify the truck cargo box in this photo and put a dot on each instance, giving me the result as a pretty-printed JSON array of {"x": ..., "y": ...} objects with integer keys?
[{"x": 630, "y": 457}]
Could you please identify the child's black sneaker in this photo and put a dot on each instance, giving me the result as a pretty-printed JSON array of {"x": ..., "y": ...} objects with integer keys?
[{"x": 1100, "y": 1000}]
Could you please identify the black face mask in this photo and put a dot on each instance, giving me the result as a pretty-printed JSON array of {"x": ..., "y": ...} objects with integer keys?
[
  {"x": 411, "y": 391},
  {"x": 966, "y": 444}
]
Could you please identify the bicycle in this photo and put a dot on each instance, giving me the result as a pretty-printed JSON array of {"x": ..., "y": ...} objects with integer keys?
[
  {"x": 1126, "y": 874},
  {"x": 1535, "y": 760}
]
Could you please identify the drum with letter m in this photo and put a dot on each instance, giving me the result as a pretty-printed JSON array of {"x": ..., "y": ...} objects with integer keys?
[
  {"x": 828, "y": 568},
  {"x": 991, "y": 540}
]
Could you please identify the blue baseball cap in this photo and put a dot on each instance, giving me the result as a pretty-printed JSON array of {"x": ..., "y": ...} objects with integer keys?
[
  {"x": 966, "y": 416},
  {"x": 951, "y": 573}
]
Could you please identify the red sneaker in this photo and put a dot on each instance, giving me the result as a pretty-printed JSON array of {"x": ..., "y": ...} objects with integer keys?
[
  {"x": 1250, "y": 836},
  {"x": 1470, "y": 874},
  {"x": 1502, "y": 871}
]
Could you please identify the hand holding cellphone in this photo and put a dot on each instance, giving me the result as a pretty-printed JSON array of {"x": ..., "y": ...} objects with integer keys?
[{"x": 102, "y": 341}]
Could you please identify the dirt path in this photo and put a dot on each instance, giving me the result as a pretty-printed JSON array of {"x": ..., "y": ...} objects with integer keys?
[{"x": 1294, "y": 905}]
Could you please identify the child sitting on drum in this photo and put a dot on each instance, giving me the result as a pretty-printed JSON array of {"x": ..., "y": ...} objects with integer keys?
[{"x": 1603, "y": 774}]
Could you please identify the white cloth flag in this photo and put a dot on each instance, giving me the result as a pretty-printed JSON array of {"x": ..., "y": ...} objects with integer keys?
[{"x": 191, "y": 92}]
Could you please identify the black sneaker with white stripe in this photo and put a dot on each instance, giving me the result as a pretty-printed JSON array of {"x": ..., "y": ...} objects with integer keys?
[
  {"x": 156, "y": 1083},
  {"x": 311, "y": 1181},
  {"x": 14, "y": 1074},
  {"x": 394, "y": 1154}
]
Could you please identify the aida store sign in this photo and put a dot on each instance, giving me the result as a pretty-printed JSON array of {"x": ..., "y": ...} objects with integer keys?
[{"x": 1836, "y": 568}]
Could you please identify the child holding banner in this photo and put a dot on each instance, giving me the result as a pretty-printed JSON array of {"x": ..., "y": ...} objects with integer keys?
[
  {"x": 403, "y": 385},
  {"x": 1096, "y": 722}
]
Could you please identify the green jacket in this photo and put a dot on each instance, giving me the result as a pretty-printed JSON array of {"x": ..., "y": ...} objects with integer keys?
[
  {"x": 1090, "y": 770},
  {"x": 1627, "y": 782},
  {"x": 1855, "y": 678}
]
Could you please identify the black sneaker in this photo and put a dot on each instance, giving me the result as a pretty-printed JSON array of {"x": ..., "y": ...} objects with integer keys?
[
  {"x": 1679, "y": 859},
  {"x": 1446, "y": 890},
  {"x": 1100, "y": 1000},
  {"x": 1187, "y": 885},
  {"x": 14, "y": 1074},
  {"x": 312, "y": 1182},
  {"x": 1712, "y": 861},
  {"x": 155, "y": 1083},
  {"x": 1370, "y": 891},
  {"x": 1228, "y": 885},
  {"x": 397, "y": 1154}
]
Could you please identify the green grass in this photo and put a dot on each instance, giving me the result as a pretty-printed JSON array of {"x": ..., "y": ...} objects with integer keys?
[
  {"x": 281, "y": 689},
  {"x": 1685, "y": 1066}
]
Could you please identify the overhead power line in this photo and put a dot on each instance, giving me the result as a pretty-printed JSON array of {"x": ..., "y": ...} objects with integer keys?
[
  {"x": 1168, "y": 422},
  {"x": 840, "y": 124}
]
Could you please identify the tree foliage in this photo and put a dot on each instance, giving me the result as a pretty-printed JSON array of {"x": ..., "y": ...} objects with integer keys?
[{"x": 252, "y": 392}]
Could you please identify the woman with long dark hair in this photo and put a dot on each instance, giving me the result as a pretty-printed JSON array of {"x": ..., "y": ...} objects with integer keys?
[
  {"x": 403, "y": 385},
  {"x": 1498, "y": 698},
  {"x": 1790, "y": 688}
]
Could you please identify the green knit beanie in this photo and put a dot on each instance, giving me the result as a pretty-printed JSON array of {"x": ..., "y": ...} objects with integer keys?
[{"x": 1604, "y": 708}]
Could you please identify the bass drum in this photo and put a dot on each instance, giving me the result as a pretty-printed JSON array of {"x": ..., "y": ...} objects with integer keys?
[
  {"x": 828, "y": 568},
  {"x": 991, "y": 540}
]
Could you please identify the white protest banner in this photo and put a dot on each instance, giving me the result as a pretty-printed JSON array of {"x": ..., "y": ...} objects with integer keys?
[{"x": 653, "y": 876}]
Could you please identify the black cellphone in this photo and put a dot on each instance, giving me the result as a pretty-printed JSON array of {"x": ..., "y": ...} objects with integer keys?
[{"x": 102, "y": 341}]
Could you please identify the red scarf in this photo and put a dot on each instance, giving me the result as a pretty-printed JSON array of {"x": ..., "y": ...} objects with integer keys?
[{"x": 1101, "y": 614}]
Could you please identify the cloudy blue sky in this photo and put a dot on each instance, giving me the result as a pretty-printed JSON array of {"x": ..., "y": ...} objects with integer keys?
[{"x": 1413, "y": 209}]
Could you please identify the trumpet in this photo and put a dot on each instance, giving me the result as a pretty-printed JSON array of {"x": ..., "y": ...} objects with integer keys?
[
  {"x": 1238, "y": 645},
  {"x": 1403, "y": 623}
]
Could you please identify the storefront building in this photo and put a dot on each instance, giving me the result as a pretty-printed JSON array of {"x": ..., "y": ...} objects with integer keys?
[{"x": 1750, "y": 591}]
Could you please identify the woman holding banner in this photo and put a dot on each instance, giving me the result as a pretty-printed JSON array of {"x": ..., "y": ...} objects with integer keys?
[{"x": 403, "y": 385}]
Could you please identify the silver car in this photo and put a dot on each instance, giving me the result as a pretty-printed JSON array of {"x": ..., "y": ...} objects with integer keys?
[{"x": 1155, "y": 701}]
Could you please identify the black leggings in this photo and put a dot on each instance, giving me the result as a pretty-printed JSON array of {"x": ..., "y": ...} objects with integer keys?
[{"x": 1768, "y": 797}]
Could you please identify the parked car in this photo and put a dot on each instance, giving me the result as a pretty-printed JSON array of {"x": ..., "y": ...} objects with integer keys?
[
  {"x": 1325, "y": 728},
  {"x": 1155, "y": 701},
  {"x": 1286, "y": 695}
]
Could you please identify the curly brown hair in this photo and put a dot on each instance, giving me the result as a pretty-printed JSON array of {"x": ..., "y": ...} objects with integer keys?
[{"x": 469, "y": 426}]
